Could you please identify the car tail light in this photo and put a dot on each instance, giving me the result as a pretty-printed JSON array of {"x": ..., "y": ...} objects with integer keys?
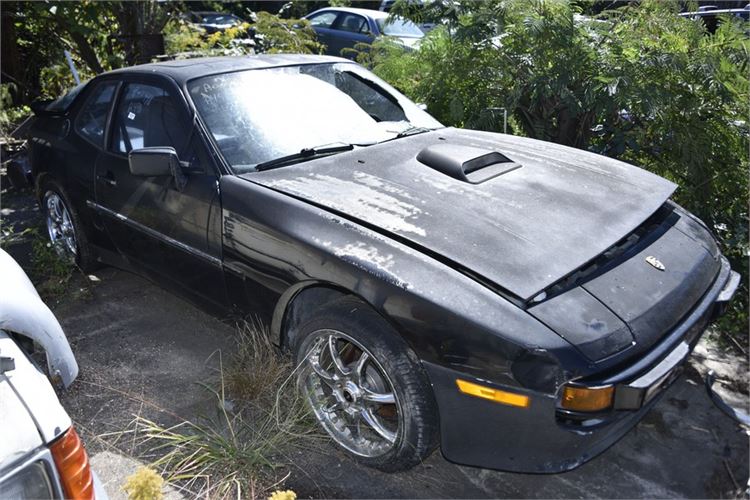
[
  {"x": 496, "y": 395},
  {"x": 579, "y": 398},
  {"x": 73, "y": 466}
]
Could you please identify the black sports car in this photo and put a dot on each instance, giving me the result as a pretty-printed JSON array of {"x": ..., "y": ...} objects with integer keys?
[{"x": 519, "y": 303}]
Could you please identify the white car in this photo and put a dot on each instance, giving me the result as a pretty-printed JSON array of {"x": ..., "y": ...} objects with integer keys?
[{"x": 41, "y": 455}]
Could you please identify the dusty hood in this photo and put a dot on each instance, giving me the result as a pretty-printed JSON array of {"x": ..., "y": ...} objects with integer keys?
[{"x": 523, "y": 230}]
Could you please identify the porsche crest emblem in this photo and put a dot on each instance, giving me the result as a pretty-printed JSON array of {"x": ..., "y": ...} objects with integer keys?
[{"x": 654, "y": 262}]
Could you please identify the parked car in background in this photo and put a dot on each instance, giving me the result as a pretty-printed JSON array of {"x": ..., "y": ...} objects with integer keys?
[
  {"x": 710, "y": 15},
  {"x": 212, "y": 22},
  {"x": 520, "y": 303},
  {"x": 41, "y": 455},
  {"x": 342, "y": 28},
  {"x": 387, "y": 5}
]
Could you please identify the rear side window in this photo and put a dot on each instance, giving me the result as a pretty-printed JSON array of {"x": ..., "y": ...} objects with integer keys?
[
  {"x": 92, "y": 118},
  {"x": 352, "y": 23}
]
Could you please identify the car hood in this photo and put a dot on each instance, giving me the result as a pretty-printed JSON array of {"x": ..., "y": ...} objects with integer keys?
[{"x": 522, "y": 230}]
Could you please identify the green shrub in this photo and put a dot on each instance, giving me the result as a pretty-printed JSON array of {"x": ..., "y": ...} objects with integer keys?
[
  {"x": 638, "y": 83},
  {"x": 272, "y": 35}
]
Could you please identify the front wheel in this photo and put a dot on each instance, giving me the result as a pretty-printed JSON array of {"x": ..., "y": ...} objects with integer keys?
[{"x": 366, "y": 387}]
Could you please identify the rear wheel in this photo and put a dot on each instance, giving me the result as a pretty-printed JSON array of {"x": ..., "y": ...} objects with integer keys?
[
  {"x": 64, "y": 227},
  {"x": 365, "y": 386}
]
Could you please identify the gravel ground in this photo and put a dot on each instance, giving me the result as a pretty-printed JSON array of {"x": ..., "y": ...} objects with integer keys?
[{"x": 143, "y": 351}]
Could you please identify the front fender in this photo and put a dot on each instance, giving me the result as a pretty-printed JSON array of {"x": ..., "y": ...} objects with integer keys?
[{"x": 446, "y": 317}]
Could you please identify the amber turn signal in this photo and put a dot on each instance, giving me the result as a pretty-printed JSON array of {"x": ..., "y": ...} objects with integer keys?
[
  {"x": 496, "y": 395},
  {"x": 73, "y": 466},
  {"x": 588, "y": 399}
]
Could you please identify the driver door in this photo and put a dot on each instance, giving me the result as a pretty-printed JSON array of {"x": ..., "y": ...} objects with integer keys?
[{"x": 167, "y": 226}]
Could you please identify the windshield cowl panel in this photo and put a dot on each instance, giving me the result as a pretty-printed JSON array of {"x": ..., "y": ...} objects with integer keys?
[{"x": 257, "y": 116}]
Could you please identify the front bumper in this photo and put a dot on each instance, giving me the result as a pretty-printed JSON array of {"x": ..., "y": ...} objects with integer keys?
[{"x": 543, "y": 439}]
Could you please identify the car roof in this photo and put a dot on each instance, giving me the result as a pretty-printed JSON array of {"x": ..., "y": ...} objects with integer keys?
[
  {"x": 182, "y": 70},
  {"x": 375, "y": 14},
  {"x": 715, "y": 12}
]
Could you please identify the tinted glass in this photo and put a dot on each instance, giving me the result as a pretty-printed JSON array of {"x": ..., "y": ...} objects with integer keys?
[
  {"x": 147, "y": 116},
  {"x": 323, "y": 20},
  {"x": 259, "y": 115},
  {"x": 379, "y": 105},
  {"x": 92, "y": 118}
]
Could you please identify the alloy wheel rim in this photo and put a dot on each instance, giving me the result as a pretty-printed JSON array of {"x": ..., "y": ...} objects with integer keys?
[
  {"x": 350, "y": 394},
  {"x": 60, "y": 226}
]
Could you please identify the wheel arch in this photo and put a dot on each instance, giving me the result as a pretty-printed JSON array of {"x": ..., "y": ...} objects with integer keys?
[
  {"x": 298, "y": 303},
  {"x": 39, "y": 179}
]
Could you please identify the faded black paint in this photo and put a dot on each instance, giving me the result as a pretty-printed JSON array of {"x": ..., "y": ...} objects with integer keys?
[{"x": 449, "y": 264}]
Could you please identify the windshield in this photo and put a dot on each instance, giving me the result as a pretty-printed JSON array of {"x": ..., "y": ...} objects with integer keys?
[
  {"x": 260, "y": 115},
  {"x": 398, "y": 26}
]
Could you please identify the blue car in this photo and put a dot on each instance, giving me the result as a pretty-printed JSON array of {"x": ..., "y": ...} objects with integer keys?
[{"x": 340, "y": 28}]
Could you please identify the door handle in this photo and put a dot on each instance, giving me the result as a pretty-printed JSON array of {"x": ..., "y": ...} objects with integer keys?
[{"x": 108, "y": 179}]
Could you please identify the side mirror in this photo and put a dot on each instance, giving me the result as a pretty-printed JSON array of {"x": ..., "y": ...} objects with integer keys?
[{"x": 154, "y": 161}]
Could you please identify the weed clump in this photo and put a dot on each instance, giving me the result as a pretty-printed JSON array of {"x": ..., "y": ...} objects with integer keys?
[
  {"x": 144, "y": 484},
  {"x": 259, "y": 416}
]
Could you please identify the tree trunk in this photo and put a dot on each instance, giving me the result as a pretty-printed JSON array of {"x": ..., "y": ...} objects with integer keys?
[
  {"x": 9, "y": 60},
  {"x": 85, "y": 51}
]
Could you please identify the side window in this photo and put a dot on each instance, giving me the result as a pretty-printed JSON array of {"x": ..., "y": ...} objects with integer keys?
[
  {"x": 323, "y": 20},
  {"x": 92, "y": 118},
  {"x": 148, "y": 116},
  {"x": 370, "y": 98},
  {"x": 351, "y": 23}
]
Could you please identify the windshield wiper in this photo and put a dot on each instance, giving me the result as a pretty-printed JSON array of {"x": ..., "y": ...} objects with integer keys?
[
  {"x": 303, "y": 155},
  {"x": 412, "y": 131}
]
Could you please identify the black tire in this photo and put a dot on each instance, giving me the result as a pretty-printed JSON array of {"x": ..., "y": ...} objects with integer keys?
[
  {"x": 416, "y": 413},
  {"x": 84, "y": 257}
]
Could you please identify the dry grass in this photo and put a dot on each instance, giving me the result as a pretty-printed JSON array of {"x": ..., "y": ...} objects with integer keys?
[
  {"x": 255, "y": 365},
  {"x": 239, "y": 452}
]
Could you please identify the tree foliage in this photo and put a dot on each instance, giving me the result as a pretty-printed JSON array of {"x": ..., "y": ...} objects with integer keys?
[
  {"x": 268, "y": 33},
  {"x": 638, "y": 83},
  {"x": 107, "y": 35}
]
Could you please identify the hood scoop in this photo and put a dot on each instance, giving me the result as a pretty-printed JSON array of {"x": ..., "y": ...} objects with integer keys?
[{"x": 466, "y": 163}]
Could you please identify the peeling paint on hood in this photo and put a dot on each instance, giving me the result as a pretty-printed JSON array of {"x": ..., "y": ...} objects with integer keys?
[
  {"x": 522, "y": 230},
  {"x": 363, "y": 197}
]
